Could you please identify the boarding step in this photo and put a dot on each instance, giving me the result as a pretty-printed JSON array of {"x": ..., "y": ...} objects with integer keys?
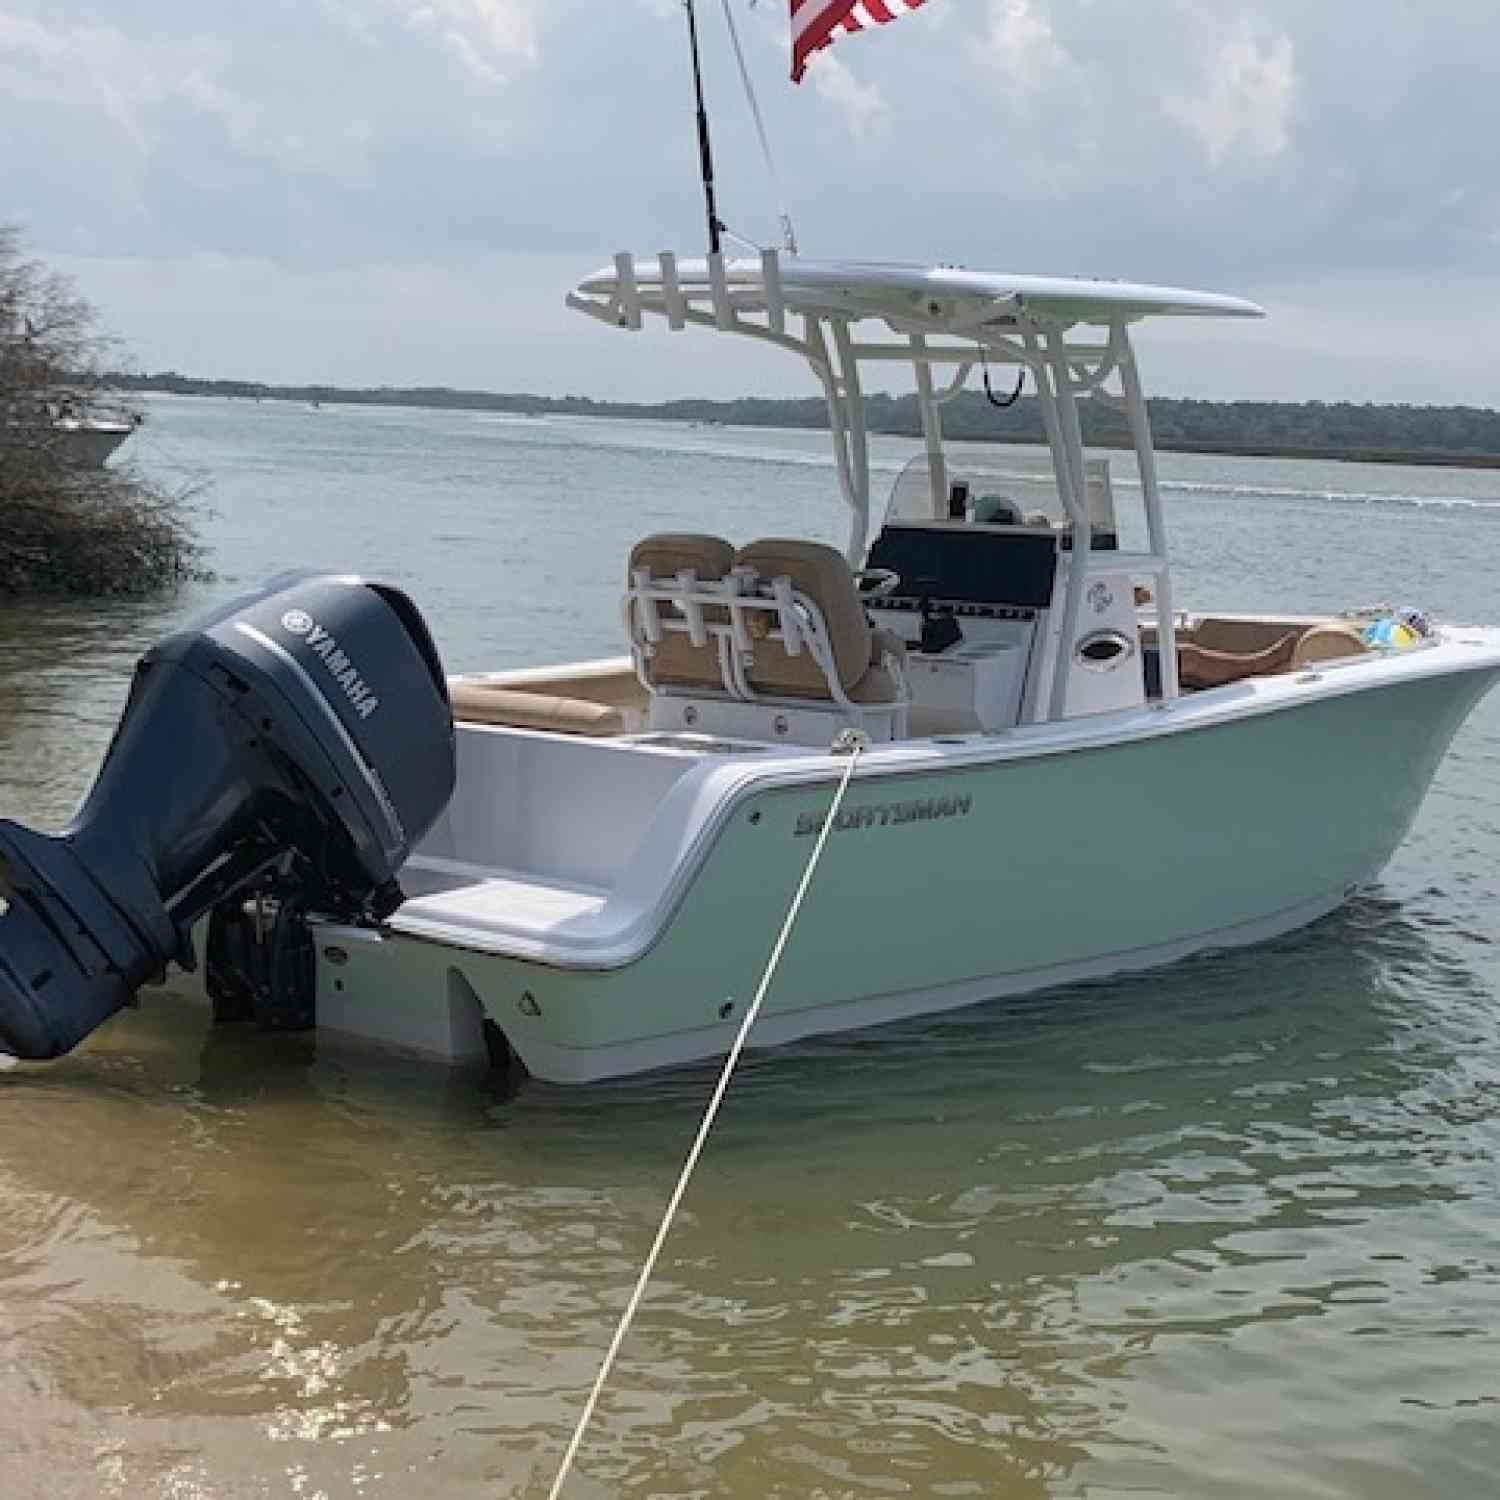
[{"x": 450, "y": 894}]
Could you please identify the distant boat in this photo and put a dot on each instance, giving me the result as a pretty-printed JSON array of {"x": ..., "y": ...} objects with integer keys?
[
  {"x": 88, "y": 440},
  {"x": 80, "y": 430}
]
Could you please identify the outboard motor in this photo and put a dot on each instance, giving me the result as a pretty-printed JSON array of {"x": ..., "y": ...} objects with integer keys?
[{"x": 296, "y": 743}]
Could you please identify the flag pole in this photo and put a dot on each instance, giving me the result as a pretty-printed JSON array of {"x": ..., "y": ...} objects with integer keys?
[{"x": 705, "y": 152}]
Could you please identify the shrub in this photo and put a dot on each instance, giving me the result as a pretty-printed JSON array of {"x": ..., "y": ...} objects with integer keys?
[{"x": 66, "y": 528}]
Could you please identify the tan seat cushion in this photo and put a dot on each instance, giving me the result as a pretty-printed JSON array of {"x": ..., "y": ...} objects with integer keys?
[
  {"x": 1223, "y": 633},
  {"x": 1328, "y": 643},
  {"x": 611, "y": 682},
  {"x": 482, "y": 703},
  {"x": 669, "y": 553},
  {"x": 876, "y": 686},
  {"x": 885, "y": 642},
  {"x": 823, "y": 575},
  {"x": 675, "y": 660}
]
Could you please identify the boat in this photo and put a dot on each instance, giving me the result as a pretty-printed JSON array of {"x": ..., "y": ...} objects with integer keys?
[
  {"x": 75, "y": 428},
  {"x": 1011, "y": 758},
  {"x": 1018, "y": 759},
  {"x": 1045, "y": 793},
  {"x": 88, "y": 439}
]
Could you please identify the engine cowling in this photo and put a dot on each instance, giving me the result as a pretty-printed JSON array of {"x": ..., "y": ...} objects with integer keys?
[{"x": 297, "y": 740}]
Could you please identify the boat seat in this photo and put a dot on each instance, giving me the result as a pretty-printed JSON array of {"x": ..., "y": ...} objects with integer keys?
[
  {"x": 749, "y": 637},
  {"x": 488, "y": 703},
  {"x": 866, "y": 663},
  {"x": 590, "y": 697},
  {"x": 673, "y": 660},
  {"x": 886, "y": 643},
  {"x": 610, "y": 681},
  {"x": 1329, "y": 642},
  {"x": 1241, "y": 635}
]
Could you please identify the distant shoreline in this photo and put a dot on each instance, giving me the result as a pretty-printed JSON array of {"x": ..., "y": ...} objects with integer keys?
[
  {"x": 1417, "y": 458},
  {"x": 1314, "y": 431}
]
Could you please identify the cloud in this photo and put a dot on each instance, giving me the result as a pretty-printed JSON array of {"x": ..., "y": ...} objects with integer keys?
[
  {"x": 48, "y": 67},
  {"x": 303, "y": 89},
  {"x": 494, "y": 322},
  {"x": 1244, "y": 101},
  {"x": 1243, "y": 144},
  {"x": 487, "y": 36},
  {"x": 1022, "y": 48},
  {"x": 864, "y": 110}
]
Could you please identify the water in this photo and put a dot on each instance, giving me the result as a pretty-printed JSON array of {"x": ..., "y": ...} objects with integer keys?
[{"x": 1228, "y": 1230}]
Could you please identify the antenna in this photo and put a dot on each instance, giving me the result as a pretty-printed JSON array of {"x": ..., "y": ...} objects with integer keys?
[{"x": 705, "y": 151}]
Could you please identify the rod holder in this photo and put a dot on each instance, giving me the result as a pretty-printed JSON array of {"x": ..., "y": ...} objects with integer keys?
[{"x": 671, "y": 292}]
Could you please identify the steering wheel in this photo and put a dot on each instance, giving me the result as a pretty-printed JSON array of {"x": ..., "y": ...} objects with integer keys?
[{"x": 876, "y": 583}]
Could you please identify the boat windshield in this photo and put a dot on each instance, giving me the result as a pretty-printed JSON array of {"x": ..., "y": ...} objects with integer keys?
[{"x": 997, "y": 492}]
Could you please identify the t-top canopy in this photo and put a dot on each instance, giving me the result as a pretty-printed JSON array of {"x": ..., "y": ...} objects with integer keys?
[
  {"x": 943, "y": 318},
  {"x": 938, "y": 299}
]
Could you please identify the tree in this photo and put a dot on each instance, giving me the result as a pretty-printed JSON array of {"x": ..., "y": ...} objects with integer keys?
[{"x": 66, "y": 527}]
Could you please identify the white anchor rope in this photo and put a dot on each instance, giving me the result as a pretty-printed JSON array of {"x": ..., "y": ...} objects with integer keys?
[{"x": 701, "y": 1139}]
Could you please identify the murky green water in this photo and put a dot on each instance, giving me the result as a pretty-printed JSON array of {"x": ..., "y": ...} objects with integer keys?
[{"x": 1230, "y": 1230}]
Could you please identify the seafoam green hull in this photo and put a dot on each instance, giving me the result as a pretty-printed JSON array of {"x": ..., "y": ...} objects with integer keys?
[{"x": 943, "y": 888}]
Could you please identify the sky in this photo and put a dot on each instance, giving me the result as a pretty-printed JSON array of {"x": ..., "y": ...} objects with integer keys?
[{"x": 368, "y": 192}]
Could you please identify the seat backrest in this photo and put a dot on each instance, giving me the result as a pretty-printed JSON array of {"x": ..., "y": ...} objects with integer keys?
[
  {"x": 1329, "y": 642},
  {"x": 822, "y": 574},
  {"x": 674, "y": 661}
]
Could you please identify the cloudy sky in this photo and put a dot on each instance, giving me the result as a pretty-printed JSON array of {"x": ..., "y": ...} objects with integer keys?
[{"x": 400, "y": 191}]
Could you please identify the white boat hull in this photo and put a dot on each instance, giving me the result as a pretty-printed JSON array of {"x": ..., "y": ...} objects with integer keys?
[
  {"x": 960, "y": 871},
  {"x": 89, "y": 444}
]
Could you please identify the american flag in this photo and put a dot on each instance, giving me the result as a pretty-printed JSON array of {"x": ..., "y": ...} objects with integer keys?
[{"x": 816, "y": 23}]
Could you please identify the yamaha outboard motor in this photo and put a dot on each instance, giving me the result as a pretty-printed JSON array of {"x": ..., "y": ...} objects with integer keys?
[{"x": 296, "y": 743}]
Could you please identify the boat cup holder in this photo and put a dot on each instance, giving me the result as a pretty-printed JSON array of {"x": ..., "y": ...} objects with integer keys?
[{"x": 1103, "y": 650}]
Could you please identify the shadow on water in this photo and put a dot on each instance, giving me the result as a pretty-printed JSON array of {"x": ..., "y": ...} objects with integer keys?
[
  {"x": 947, "y": 1253},
  {"x": 1347, "y": 983},
  {"x": 1352, "y": 985}
]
